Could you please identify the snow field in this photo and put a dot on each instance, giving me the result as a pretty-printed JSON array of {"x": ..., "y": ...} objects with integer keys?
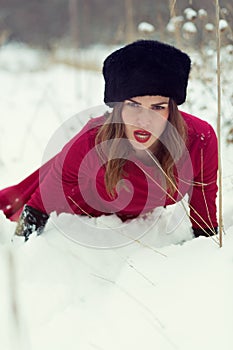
[{"x": 169, "y": 291}]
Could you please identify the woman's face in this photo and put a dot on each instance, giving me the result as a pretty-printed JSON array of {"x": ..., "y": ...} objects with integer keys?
[{"x": 145, "y": 118}]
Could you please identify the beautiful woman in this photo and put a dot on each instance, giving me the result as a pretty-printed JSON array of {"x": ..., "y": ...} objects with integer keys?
[{"x": 143, "y": 154}]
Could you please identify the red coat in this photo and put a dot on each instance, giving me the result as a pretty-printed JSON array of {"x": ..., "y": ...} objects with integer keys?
[{"x": 73, "y": 181}]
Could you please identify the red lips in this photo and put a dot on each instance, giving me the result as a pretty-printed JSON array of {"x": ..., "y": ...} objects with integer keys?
[{"x": 142, "y": 136}]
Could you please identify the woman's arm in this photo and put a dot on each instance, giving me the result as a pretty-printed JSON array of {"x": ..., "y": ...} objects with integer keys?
[{"x": 56, "y": 188}]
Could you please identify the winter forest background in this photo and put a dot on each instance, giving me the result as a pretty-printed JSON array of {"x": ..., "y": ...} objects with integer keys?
[
  {"x": 167, "y": 290},
  {"x": 65, "y": 31},
  {"x": 80, "y": 23}
]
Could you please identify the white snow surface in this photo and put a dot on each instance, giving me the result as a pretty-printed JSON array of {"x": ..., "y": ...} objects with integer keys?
[{"x": 164, "y": 291}]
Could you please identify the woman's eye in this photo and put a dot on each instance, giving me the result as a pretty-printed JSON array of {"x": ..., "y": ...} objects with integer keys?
[
  {"x": 158, "y": 108},
  {"x": 133, "y": 104}
]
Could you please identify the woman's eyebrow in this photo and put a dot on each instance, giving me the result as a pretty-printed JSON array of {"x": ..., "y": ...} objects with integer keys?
[
  {"x": 159, "y": 103},
  {"x": 130, "y": 99},
  {"x": 152, "y": 105}
]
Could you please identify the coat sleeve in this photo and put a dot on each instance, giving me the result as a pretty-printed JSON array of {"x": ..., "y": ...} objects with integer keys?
[
  {"x": 203, "y": 211},
  {"x": 13, "y": 198},
  {"x": 49, "y": 187},
  {"x": 60, "y": 189}
]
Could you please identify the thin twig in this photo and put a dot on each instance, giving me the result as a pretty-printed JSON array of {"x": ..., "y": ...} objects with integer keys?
[
  {"x": 174, "y": 200},
  {"x": 218, "y": 44},
  {"x": 202, "y": 187},
  {"x": 172, "y": 9},
  {"x": 172, "y": 4},
  {"x": 160, "y": 327},
  {"x": 136, "y": 270}
]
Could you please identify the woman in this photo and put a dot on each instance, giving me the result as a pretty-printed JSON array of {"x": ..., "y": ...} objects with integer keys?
[{"x": 144, "y": 154}]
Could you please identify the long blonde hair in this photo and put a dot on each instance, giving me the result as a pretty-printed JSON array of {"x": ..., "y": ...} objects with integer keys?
[{"x": 115, "y": 156}]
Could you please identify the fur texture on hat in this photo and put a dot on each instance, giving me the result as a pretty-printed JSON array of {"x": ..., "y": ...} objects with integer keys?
[{"x": 146, "y": 67}]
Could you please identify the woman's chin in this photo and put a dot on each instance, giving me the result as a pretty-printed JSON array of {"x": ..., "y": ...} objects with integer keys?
[
  {"x": 143, "y": 145},
  {"x": 138, "y": 146}
]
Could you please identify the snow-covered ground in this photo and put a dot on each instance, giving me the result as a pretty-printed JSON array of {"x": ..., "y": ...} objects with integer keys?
[{"x": 165, "y": 291}]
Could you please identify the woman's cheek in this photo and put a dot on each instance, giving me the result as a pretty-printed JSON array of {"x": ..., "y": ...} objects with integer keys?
[
  {"x": 128, "y": 119},
  {"x": 159, "y": 127}
]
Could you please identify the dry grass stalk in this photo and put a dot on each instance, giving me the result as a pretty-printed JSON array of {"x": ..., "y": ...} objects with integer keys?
[
  {"x": 218, "y": 45},
  {"x": 172, "y": 5},
  {"x": 169, "y": 179}
]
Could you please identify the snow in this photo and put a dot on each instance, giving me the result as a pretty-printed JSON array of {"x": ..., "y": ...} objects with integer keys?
[
  {"x": 223, "y": 24},
  {"x": 224, "y": 11},
  {"x": 173, "y": 23},
  {"x": 27, "y": 59},
  {"x": 89, "y": 283},
  {"x": 202, "y": 13},
  {"x": 190, "y": 13},
  {"x": 189, "y": 27},
  {"x": 146, "y": 27},
  {"x": 229, "y": 49},
  {"x": 209, "y": 27}
]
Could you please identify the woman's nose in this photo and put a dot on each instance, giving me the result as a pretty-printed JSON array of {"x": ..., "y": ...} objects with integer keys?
[{"x": 144, "y": 119}]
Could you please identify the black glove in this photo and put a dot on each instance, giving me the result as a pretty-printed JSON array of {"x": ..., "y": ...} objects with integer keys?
[
  {"x": 31, "y": 220},
  {"x": 205, "y": 232}
]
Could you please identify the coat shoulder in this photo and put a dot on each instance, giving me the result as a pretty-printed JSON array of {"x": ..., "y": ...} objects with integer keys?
[
  {"x": 88, "y": 133},
  {"x": 198, "y": 129}
]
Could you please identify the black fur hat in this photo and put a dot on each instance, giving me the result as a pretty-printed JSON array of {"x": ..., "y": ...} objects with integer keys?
[{"x": 146, "y": 67}]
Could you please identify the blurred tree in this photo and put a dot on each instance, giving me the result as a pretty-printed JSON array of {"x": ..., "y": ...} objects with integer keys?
[
  {"x": 129, "y": 21},
  {"x": 85, "y": 22},
  {"x": 74, "y": 23}
]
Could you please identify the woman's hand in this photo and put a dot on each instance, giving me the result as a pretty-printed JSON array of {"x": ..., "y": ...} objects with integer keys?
[
  {"x": 207, "y": 232},
  {"x": 31, "y": 220}
]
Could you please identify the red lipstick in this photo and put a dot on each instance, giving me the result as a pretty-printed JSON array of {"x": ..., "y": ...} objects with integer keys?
[{"x": 142, "y": 136}]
